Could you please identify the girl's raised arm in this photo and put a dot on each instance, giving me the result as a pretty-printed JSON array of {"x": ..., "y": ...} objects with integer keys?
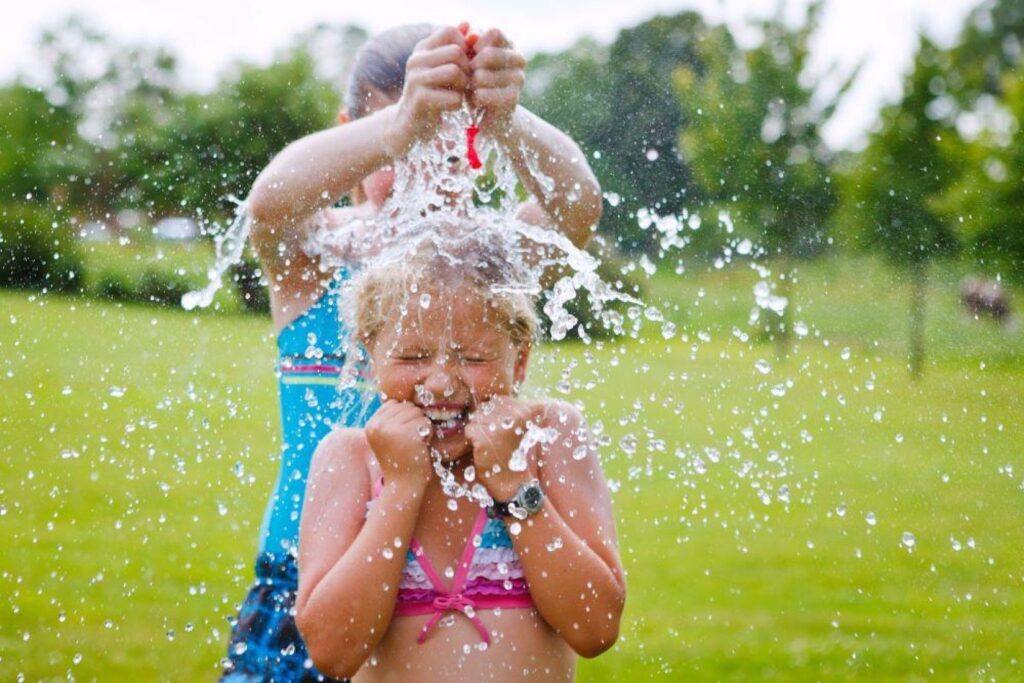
[
  {"x": 312, "y": 173},
  {"x": 566, "y": 195},
  {"x": 349, "y": 565},
  {"x": 568, "y": 548}
]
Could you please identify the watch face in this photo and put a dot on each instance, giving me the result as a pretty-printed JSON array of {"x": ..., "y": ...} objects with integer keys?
[{"x": 532, "y": 498}]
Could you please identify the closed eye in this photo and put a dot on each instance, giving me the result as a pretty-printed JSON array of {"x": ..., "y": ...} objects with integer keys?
[{"x": 413, "y": 357}]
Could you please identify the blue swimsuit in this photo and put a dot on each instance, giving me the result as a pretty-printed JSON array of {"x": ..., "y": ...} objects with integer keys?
[{"x": 265, "y": 645}]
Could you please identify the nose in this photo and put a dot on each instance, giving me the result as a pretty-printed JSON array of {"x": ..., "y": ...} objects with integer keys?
[{"x": 442, "y": 378}]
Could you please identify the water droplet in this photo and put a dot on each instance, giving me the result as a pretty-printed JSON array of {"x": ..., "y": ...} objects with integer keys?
[
  {"x": 744, "y": 247},
  {"x": 871, "y": 519},
  {"x": 652, "y": 154},
  {"x": 423, "y": 431},
  {"x": 425, "y": 300},
  {"x": 763, "y": 366},
  {"x": 453, "y": 504},
  {"x": 388, "y": 553},
  {"x": 117, "y": 392},
  {"x": 908, "y": 540}
]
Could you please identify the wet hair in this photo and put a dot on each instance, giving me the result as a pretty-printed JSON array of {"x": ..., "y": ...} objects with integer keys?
[
  {"x": 380, "y": 64},
  {"x": 468, "y": 267}
]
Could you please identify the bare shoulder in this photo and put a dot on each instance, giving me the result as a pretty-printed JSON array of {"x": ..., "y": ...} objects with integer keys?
[
  {"x": 573, "y": 450},
  {"x": 339, "y": 464}
]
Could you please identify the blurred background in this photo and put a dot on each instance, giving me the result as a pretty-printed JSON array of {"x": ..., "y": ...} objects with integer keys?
[{"x": 817, "y": 450}]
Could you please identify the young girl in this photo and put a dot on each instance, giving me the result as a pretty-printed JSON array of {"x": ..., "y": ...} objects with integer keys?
[
  {"x": 401, "y": 82},
  {"x": 398, "y": 581}
]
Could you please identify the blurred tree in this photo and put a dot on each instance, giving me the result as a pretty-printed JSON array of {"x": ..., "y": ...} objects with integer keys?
[
  {"x": 619, "y": 104},
  {"x": 213, "y": 145},
  {"x": 991, "y": 43},
  {"x": 986, "y": 202},
  {"x": 889, "y": 195},
  {"x": 115, "y": 94},
  {"x": 982, "y": 94},
  {"x": 38, "y": 142},
  {"x": 754, "y": 142}
]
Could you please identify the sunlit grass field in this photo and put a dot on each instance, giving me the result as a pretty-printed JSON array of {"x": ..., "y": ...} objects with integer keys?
[{"x": 138, "y": 446}]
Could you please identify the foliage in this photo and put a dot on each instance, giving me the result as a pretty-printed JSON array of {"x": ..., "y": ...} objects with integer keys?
[
  {"x": 36, "y": 141},
  {"x": 889, "y": 192},
  {"x": 989, "y": 46},
  {"x": 754, "y": 139},
  {"x": 618, "y": 103},
  {"x": 986, "y": 202},
  {"x": 36, "y": 251}
]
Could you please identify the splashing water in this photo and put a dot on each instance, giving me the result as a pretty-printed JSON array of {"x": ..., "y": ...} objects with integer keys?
[{"x": 229, "y": 246}]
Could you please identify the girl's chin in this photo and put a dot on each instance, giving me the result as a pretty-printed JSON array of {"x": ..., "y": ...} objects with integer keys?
[{"x": 452, "y": 449}]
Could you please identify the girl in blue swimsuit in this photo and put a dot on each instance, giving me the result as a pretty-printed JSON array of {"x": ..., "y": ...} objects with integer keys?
[{"x": 402, "y": 81}]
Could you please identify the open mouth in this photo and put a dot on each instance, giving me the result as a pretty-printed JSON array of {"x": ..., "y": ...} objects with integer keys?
[{"x": 447, "y": 420}]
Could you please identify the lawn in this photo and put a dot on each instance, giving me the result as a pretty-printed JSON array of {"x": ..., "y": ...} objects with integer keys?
[{"x": 815, "y": 517}]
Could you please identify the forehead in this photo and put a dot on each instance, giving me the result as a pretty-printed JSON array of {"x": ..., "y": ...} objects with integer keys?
[{"x": 459, "y": 317}]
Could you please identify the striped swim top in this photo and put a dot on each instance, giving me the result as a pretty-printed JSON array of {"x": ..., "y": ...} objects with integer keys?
[
  {"x": 489, "y": 575},
  {"x": 311, "y": 355}
]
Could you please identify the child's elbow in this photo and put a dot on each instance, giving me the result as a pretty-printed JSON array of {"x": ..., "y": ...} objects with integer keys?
[
  {"x": 587, "y": 213},
  {"x": 327, "y": 655},
  {"x": 600, "y": 635},
  {"x": 597, "y": 641}
]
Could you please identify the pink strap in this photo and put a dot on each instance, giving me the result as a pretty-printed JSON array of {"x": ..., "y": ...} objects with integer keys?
[{"x": 452, "y": 600}]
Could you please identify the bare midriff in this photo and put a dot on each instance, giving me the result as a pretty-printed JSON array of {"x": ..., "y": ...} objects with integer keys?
[{"x": 522, "y": 647}]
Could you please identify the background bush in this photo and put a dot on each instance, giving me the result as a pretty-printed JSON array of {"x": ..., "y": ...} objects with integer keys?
[{"x": 36, "y": 252}]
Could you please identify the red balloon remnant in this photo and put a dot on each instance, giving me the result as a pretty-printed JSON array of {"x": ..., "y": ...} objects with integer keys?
[{"x": 471, "y": 155}]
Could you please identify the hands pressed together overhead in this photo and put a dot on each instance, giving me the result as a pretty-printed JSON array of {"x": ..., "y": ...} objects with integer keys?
[{"x": 453, "y": 66}]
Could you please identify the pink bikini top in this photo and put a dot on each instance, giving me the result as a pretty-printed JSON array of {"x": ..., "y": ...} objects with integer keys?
[{"x": 489, "y": 576}]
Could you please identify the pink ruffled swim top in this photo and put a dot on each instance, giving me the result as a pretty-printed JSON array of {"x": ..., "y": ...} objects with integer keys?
[{"x": 489, "y": 576}]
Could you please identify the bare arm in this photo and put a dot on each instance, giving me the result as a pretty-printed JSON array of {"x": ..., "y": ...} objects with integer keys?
[
  {"x": 568, "y": 549},
  {"x": 555, "y": 171},
  {"x": 549, "y": 164},
  {"x": 350, "y": 568},
  {"x": 312, "y": 173}
]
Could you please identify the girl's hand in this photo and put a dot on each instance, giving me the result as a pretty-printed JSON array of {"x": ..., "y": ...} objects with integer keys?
[
  {"x": 398, "y": 434},
  {"x": 497, "y": 78},
  {"x": 436, "y": 77},
  {"x": 495, "y": 433}
]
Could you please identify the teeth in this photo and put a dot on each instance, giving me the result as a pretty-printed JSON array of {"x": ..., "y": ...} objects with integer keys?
[{"x": 440, "y": 415}]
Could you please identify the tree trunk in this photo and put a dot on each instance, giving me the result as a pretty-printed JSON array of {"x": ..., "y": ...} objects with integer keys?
[
  {"x": 918, "y": 287},
  {"x": 783, "y": 330}
]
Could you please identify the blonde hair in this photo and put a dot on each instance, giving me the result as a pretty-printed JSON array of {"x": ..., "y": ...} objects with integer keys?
[{"x": 468, "y": 267}]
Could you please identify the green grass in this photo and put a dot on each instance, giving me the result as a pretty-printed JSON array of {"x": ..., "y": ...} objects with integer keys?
[{"x": 130, "y": 517}]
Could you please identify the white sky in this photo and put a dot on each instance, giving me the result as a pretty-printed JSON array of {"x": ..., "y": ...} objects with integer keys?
[{"x": 209, "y": 34}]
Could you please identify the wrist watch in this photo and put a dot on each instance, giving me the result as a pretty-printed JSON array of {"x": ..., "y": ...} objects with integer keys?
[{"x": 529, "y": 499}]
